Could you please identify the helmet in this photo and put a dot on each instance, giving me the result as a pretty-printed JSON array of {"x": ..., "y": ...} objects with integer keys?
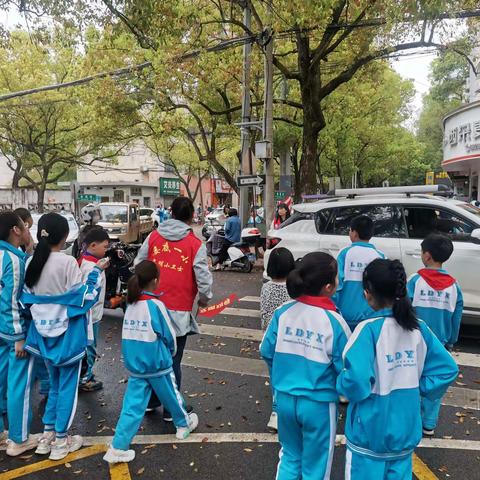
[{"x": 90, "y": 214}]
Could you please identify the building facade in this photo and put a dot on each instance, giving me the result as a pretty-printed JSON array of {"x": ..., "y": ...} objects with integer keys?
[{"x": 461, "y": 140}]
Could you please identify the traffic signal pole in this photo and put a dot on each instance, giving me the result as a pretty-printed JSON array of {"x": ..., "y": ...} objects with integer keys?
[{"x": 246, "y": 157}]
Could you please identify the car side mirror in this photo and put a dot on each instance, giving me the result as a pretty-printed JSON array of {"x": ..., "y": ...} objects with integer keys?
[{"x": 475, "y": 236}]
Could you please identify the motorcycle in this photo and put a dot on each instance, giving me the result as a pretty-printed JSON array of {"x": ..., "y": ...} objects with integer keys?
[
  {"x": 211, "y": 227},
  {"x": 121, "y": 257},
  {"x": 240, "y": 257}
]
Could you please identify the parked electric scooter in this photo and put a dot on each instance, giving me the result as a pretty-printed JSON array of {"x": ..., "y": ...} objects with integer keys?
[{"x": 240, "y": 257}]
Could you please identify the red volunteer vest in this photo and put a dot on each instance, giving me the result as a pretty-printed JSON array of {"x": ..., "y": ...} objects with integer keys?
[{"x": 177, "y": 286}]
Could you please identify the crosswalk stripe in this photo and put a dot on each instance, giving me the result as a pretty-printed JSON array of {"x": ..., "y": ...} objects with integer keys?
[
  {"x": 250, "y": 298},
  {"x": 97, "y": 444},
  {"x": 467, "y": 359},
  {"x": 225, "y": 363},
  {"x": 231, "y": 332},
  {"x": 242, "y": 312}
]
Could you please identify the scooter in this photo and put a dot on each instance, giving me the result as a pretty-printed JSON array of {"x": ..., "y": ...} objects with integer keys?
[{"x": 240, "y": 258}]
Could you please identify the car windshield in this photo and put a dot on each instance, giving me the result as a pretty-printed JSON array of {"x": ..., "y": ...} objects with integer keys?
[
  {"x": 470, "y": 208},
  {"x": 114, "y": 213}
]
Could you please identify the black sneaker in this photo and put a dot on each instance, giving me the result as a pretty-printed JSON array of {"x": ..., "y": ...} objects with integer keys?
[
  {"x": 167, "y": 416},
  {"x": 91, "y": 386}
]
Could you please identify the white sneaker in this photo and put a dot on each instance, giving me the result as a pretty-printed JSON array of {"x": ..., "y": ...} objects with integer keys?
[
  {"x": 428, "y": 433},
  {"x": 14, "y": 449},
  {"x": 343, "y": 400},
  {"x": 45, "y": 443},
  {"x": 114, "y": 455},
  {"x": 184, "y": 432},
  {"x": 273, "y": 422},
  {"x": 60, "y": 448}
]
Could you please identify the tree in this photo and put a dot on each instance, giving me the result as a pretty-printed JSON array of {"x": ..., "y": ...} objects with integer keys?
[{"x": 45, "y": 136}]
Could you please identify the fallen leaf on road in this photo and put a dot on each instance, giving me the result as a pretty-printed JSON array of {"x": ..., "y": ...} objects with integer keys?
[
  {"x": 204, "y": 439},
  {"x": 174, "y": 447},
  {"x": 140, "y": 472},
  {"x": 68, "y": 465},
  {"x": 143, "y": 452},
  {"x": 248, "y": 450}
]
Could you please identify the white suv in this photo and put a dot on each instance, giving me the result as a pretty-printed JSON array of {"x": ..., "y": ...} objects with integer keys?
[{"x": 401, "y": 222}]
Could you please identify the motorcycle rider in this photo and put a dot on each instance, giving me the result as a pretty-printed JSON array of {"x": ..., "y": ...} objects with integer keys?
[{"x": 233, "y": 234}]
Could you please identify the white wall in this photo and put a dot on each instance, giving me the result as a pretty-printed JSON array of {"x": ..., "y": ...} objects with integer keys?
[
  {"x": 127, "y": 168},
  {"x": 6, "y": 175}
]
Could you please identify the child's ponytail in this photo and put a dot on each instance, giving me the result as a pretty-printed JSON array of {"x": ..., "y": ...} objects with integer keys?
[
  {"x": 52, "y": 230},
  {"x": 403, "y": 311},
  {"x": 386, "y": 281},
  {"x": 145, "y": 272}
]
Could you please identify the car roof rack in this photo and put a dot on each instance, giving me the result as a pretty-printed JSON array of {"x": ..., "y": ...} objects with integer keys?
[{"x": 405, "y": 190}]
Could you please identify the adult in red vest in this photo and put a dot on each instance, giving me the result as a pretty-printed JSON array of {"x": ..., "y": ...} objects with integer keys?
[{"x": 184, "y": 274}]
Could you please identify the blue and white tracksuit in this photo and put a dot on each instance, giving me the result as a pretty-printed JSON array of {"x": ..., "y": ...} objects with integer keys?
[
  {"x": 386, "y": 371},
  {"x": 303, "y": 348},
  {"x": 16, "y": 374},
  {"x": 87, "y": 263},
  {"x": 438, "y": 301},
  {"x": 349, "y": 297},
  {"x": 59, "y": 333},
  {"x": 148, "y": 345}
]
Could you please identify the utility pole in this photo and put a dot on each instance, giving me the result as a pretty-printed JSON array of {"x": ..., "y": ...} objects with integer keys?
[
  {"x": 268, "y": 121},
  {"x": 246, "y": 160}
]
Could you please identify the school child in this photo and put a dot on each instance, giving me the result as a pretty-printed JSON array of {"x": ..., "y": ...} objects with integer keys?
[
  {"x": 16, "y": 366},
  {"x": 389, "y": 363},
  {"x": 438, "y": 301},
  {"x": 274, "y": 294},
  {"x": 148, "y": 344},
  {"x": 352, "y": 262},
  {"x": 59, "y": 332},
  {"x": 39, "y": 367},
  {"x": 303, "y": 349},
  {"x": 96, "y": 244}
]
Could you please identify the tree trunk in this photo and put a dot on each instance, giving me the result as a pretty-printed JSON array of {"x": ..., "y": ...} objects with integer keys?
[
  {"x": 40, "y": 198},
  {"x": 297, "y": 185},
  {"x": 17, "y": 176}
]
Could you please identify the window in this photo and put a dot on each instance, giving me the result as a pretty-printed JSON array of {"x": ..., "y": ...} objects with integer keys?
[
  {"x": 321, "y": 219},
  {"x": 136, "y": 191},
  {"x": 118, "y": 196},
  {"x": 388, "y": 220},
  {"x": 133, "y": 214},
  {"x": 146, "y": 202},
  {"x": 424, "y": 220},
  {"x": 296, "y": 217}
]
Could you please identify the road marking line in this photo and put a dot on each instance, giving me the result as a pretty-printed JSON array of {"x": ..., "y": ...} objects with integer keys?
[
  {"x": 98, "y": 444},
  {"x": 242, "y": 312},
  {"x": 421, "y": 471},
  {"x": 251, "y": 299},
  {"x": 119, "y": 471},
  {"x": 231, "y": 332},
  {"x": 467, "y": 359},
  {"x": 37, "y": 467},
  {"x": 225, "y": 363},
  {"x": 462, "y": 398}
]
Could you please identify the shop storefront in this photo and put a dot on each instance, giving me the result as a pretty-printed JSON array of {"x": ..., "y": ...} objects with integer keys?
[{"x": 461, "y": 149}]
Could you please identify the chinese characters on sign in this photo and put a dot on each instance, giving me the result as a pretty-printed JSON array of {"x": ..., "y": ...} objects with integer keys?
[
  {"x": 462, "y": 134},
  {"x": 169, "y": 187}
]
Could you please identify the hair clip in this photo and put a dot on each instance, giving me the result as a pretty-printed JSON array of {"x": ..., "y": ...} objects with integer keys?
[{"x": 44, "y": 234}]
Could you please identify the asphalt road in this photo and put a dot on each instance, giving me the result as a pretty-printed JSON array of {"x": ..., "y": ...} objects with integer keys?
[{"x": 226, "y": 383}]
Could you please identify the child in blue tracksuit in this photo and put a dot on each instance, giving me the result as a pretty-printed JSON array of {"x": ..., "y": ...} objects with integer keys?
[
  {"x": 352, "y": 262},
  {"x": 274, "y": 294},
  {"x": 59, "y": 304},
  {"x": 302, "y": 347},
  {"x": 148, "y": 345},
  {"x": 96, "y": 244},
  {"x": 389, "y": 363},
  {"x": 16, "y": 366},
  {"x": 438, "y": 301}
]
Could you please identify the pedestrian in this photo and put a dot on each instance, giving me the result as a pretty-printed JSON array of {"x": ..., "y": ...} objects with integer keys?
[
  {"x": 16, "y": 366},
  {"x": 96, "y": 243},
  {"x": 27, "y": 219},
  {"x": 274, "y": 294},
  {"x": 148, "y": 344},
  {"x": 282, "y": 214},
  {"x": 182, "y": 260},
  {"x": 59, "y": 304},
  {"x": 39, "y": 367},
  {"x": 389, "y": 363},
  {"x": 437, "y": 299},
  {"x": 303, "y": 349},
  {"x": 233, "y": 234},
  {"x": 352, "y": 262}
]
